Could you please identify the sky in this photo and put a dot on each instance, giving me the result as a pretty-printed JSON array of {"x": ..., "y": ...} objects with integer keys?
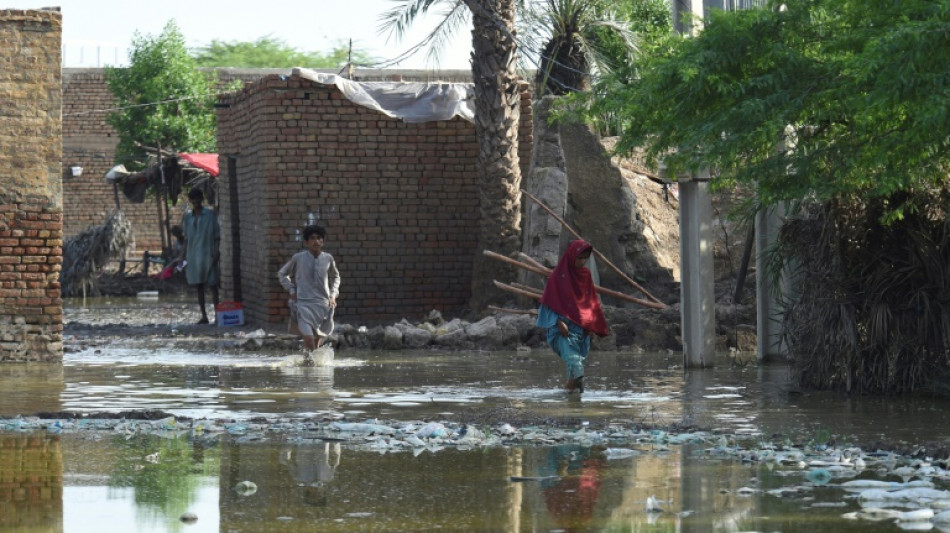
[{"x": 99, "y": 32}]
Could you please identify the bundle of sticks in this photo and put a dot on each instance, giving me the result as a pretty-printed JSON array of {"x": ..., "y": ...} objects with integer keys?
[{"x": 531, "y": 265}]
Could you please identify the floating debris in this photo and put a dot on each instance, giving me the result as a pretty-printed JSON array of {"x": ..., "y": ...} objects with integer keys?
[{"x": 246, "y": 488}]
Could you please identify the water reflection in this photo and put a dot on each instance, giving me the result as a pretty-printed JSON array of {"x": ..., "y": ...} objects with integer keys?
[
  {"x": 572, "y": 486},
  {"x": 312, "y": 467},
  {"x": 75, "y": 483}
]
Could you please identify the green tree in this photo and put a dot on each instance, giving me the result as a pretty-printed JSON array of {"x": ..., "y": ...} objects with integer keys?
[
  {"x": 161, "y": 99},
  {"x": 576, "y": 38},
  {"x": 858, "y": 89},
  {"x": 839, "y": 110},
  {"x": 269, "y": 52}
]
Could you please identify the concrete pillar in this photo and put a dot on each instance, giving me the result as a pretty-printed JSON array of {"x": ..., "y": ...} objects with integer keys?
[
  {"x": 768, "y": 316},
  {"x": 682, "y": 10},
  {"x": 697, "y": 296}
]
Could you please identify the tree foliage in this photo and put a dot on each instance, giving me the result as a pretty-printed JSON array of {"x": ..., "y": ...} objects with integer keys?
[
  {"x": 161, "y": 98},
  {"x": 856, "y": 90},
  {"x": 576, "y": 38},
  {"x": 269, "y": 52}
]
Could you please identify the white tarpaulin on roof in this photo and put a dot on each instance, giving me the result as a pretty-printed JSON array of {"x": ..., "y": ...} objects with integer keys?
[{"x": 409, "y": 101}]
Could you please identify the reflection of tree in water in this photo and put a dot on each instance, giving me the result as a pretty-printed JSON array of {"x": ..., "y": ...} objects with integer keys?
[
  {"x": 572, "y": 497},
  {"x": 164, "y": 472}
]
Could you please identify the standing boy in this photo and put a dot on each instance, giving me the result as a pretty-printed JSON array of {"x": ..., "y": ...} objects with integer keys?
[
  {"x": 313, "y": 280},
  {"x": 202, "y": 238}
]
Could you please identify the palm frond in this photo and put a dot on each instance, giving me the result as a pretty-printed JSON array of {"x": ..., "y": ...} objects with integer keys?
[
  {"x": 454, "y": 18},
  {"x": 395, "y": 22}
]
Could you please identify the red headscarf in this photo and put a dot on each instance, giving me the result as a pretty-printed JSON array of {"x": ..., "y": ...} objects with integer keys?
[{"x": 570, "y": 292}]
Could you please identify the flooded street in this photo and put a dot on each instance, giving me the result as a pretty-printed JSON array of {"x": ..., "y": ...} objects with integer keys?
[{"x": 436, "y": 440}]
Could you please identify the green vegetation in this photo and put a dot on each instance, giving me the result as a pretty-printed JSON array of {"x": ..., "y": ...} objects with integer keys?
[
  {"x": 162, "y": 99},
  {"x": 269, "y": 52},
  {"x": 575, "y": 39},
  {"x": 857, "y": 88},
  {"x": 837, "y": 111}
]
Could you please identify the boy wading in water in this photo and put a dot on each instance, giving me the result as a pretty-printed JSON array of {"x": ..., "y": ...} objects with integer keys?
[
  {"x": 313, "y": 280},
  {"x": 570, "y": 311}
]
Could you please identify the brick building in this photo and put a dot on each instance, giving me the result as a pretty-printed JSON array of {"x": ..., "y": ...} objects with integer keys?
[
  {"x": 89, "y": 143},
  {"x": 399, "y": 200},
  {"x": 31, "y": 216}
]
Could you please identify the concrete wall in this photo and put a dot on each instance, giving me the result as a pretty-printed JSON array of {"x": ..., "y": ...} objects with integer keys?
[
  {"x": 31, "y": 223},
  {"x": 399, "y": 200}
]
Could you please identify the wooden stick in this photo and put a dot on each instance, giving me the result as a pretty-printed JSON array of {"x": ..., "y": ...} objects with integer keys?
[
  {"x": 532, "y": 261},
  {"x": 627, "y": 297},
  {"x": 509, "y": 288},
  {"x": 598, "y": 288},
  {"x": 513, "y": 311},
  {"x": 542, "y": 271},
  {"x": 527, "y": 288},
  {"x": 596, "y": 252}
]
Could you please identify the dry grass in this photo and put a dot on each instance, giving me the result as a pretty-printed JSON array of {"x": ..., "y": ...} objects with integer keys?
[
  {"x": 872, "y": 313},
  {"x": 85, "y": 254}
]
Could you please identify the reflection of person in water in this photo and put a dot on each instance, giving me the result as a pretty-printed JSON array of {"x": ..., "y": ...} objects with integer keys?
[
  {"x": 571, "y": 498},
  {"x": 310, "y": 466}
]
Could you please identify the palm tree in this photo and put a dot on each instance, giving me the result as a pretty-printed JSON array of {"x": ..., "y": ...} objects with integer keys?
[
  {"x": 575, "y": 38},
  {"x": 497, "y": 117}
]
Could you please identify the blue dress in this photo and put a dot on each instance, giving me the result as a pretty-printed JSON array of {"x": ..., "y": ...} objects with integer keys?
[{"x": 572, "y": 349}]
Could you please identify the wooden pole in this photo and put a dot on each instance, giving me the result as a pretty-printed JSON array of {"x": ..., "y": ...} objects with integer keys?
[
  {"x": 598, "y": 288},
  {"x": 515, "y": 290},
  {"x": 527, "y": 288},
  {"x": 513, "y": 311},
  {"x": 596, "y": 252},
  {"x": 531, "y": 261}
]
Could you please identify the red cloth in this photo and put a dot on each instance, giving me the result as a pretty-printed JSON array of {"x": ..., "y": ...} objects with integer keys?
[
  {"x": 570, "y": 292},
  {"x": 208, "y": 162}
]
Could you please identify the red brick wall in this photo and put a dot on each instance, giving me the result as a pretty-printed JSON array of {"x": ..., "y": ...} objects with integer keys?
[
  {"x": 31, "y": 309},
  {"x": 399, "y": 200}
]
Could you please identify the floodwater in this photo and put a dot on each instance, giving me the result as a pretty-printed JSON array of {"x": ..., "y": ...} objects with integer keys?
[{"x": 77, "y": 481}]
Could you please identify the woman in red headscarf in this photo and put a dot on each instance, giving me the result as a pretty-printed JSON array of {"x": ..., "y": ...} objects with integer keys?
[{"x": 571, "y": 311}]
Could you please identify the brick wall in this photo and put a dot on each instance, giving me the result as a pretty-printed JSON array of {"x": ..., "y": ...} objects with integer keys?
[
  {"x": 31, "y": 226},
  {"x": 399, "y": 200},
  {"x": 31, "y": 483},
  {"x": 89, "y": 142}
]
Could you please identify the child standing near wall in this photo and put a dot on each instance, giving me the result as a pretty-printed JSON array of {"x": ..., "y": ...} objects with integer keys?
[
  {"x": 571, "y": 311},
  {"x": 313, "y": 281}
]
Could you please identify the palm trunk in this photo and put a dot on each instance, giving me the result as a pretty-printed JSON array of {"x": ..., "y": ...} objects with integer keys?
[{"x": 497, "y": 115}]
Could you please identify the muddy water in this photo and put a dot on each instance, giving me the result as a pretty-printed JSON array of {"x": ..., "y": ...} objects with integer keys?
[
  {"x": 103, "y": 481},
  {"x": 146, "y": 483}
]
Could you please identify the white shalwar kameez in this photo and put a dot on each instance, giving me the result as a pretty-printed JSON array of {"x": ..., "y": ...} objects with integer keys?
[{"x": 314, "y": 280}]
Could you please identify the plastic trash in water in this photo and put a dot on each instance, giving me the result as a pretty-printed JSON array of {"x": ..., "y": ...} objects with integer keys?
[
  {"x": 818, "y": 476},
  {"x": 246, "y": 488},
  {"x": 432, "y": 430},
  {"x": 620, "y": 453}
]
